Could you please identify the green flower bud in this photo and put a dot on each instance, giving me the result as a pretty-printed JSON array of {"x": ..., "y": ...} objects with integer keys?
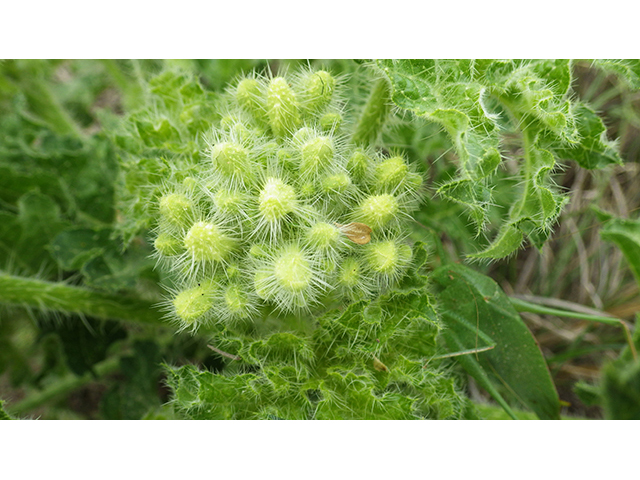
[
  {"x": 350, "y": 273},
  {"x": 176, "y": 208},
  {"x": 391, "y": 173},
  {"x": 262, "y": 284},
  {"x": 237, "y": 301},
  {"x": 230, "y": 201},
  {"x": 307, "y": 190},
  {"x": 358, "y": 165},
  {"x": 353, "y": 281},
  {"x": 317, "y": 88},
  {"x": 317, "y": 155},
  {"x": 302, "y": 136},
  {"x": 290, "y": 278},
  {"x": 190, "y": 183},
  {"x": 377, "y": 210},
  {"x": 205, "y": 242},
  {"x": 388, "y": 258},
  {"x": 282, "y": 108},
  {"x": 258, "y": 250},
  {"x": 338, "y": 183},
  {"x": 250, "y": 97},
  {"x": 194, "y": 303},
  {"x": 323, "y": 236},
  {"x": 276, "y": 200},
  {"x": 292, "y": 271},
  {"x": 232, "y": 160}
]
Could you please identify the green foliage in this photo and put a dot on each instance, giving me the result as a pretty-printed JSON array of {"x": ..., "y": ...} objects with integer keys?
[
  {"x": 478, "y": 314},
  {"x": 162, "y": 142},
  {"x": 618, "y": 388},
  {"x": 81, "y": 347},
  {"x": 477, "y": 102},
  {"x": 367, "y": 361},
  {"x": 276, "y": 211}
]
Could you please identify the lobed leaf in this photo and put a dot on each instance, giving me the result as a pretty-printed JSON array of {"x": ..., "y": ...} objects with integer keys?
[{"x": 475, "y": 102}]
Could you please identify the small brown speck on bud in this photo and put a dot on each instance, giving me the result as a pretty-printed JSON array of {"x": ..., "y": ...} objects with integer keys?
[{"x": 356, "y": 232}]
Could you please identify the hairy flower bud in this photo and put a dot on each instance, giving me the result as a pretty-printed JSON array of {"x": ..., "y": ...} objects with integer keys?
[
  {"x": 205, "y": 242},
  {"x": 232, "y": 161},
  {"x": 194, "y": 303},
  {"x": 317, "y": 90},
  {"x": 176, "y": 208},
  {"x": 377, "y": 210},
  {"x": 316, "y": 156},
  {"x": 282, "y": 108}
]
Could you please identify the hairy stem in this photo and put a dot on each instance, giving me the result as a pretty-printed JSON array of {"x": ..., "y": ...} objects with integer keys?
[
  {"x": 69, "y": 299},
  {"x": 374, "y": 115},
  {"x": 527, "y": 138}
]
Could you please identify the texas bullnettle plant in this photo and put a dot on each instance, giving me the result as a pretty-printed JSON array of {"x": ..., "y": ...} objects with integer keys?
[
  {"x": 310, "y": 225},
  {"x": 283, "y": 223},
  {"x": 284, "y": 237},
  {"x": 285, "y": 212}
]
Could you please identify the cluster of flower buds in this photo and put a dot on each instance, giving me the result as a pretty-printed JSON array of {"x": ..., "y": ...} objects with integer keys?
[{"x": 285, "y": 211}]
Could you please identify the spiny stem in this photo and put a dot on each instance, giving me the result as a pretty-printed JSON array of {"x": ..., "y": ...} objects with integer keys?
[
  {"x": 374, "y": 115},
  {"x": 66, "y": 298}
]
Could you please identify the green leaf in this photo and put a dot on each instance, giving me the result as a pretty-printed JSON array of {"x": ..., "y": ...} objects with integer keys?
[
  {"x": 626, "y": 235},
  {"x": 516, "y": 365},
  {"x": 594, "y": 150},
  {"x": 99, "y": 257},
  {"x": 14, "y": 183},
  {"x": 157, "y": 134},
  {"x": 508, "y": 241},
  {"x": 23, "y": 237},
  {"x": 449, "y": 93},
  {"x": 556, "y": 72}
]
